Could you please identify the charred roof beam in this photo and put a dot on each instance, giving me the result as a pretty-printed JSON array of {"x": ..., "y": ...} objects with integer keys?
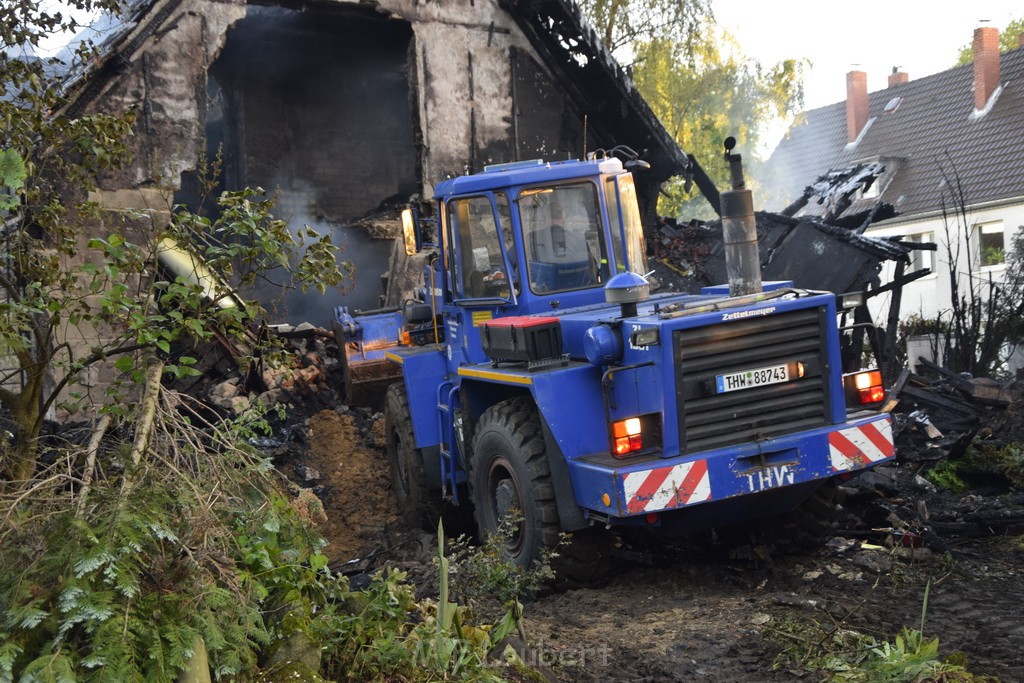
[{"x": 582, "y": 65}]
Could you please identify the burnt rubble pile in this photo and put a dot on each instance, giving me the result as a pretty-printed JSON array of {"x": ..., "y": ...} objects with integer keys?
[
  {"x": 302, "y": 376},
  {"x": 331, "y": 453},
  {"x": 949, "y": 402},
  {"x": 824, "y": 226},
  {"x": 959, "y": 470}
]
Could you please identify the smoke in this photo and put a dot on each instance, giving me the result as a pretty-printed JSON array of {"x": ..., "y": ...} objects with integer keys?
[
  {"x": 801, "y": 157},
  {"x": 284, "y": 301}
]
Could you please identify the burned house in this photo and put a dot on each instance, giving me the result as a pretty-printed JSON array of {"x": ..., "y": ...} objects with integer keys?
[{"x": 348, "y": 111}]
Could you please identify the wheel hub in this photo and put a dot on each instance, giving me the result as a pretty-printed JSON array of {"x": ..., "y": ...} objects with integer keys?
[{"x": 505, "y": 498}]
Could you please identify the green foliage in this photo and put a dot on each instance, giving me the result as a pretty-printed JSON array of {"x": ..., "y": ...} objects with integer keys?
[
  {"x": 1002, "y": 460},
  {"x": 1007, "y": 41},
  {"x": 992, "y": 256},
  {"x": 624, "y": 23},
  {"x": 846, "y": 655},
  {"x": 12, "y": 178},
  {"x": 914, "y": 325},
  {"x": 712, "y": 94},
  {"x": 947, "y": 475},
  {"x": 488, "y": 580},
  {"x": 1005, "y": 460},
  {"x": 245, "y": 242},
  {"x": 387, "y": 635},
  {"x": 119, "y": 582},
  {"x": 198, "y": 544}
]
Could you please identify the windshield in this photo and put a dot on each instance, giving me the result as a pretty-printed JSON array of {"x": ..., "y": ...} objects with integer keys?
[{"x": 563, "y": 238}]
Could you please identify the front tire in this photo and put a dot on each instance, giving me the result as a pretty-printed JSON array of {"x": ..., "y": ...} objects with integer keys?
[
  {"x": 420, "y": 506},
  {"x": 510, "y": 472},
  {"x": 810, "y": 525}
]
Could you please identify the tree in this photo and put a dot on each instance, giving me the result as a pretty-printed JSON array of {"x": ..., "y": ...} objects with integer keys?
[
  {"x": 624, "y": 23},
  {"x": 1009, "y": 39},
  {"x": 73, "y": 269},
  {"x": 698, "y": 83},
  {"x": 714, "y": 94}
]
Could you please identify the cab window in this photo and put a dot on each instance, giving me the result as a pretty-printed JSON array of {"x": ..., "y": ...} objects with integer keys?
[
  {"x": 479, "y": 265},
  {"x": 636, "y": 249},
  {"x": 563, "y": 240},
  {"x": 611, "y": 194}
]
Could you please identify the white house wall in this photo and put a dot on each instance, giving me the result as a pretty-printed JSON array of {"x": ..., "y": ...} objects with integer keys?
[{"x": 930, "y": 296}]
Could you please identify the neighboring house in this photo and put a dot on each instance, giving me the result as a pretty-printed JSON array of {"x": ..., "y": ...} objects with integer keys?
[{"x": 959, "y": 133}]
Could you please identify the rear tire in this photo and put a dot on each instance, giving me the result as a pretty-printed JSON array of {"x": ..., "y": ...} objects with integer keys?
[
  {"x": 584, "y": 560},
  {"x": 420, "y": 506}
]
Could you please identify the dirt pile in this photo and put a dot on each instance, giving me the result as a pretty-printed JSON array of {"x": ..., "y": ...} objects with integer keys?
[{"x": 343, "y": 463}]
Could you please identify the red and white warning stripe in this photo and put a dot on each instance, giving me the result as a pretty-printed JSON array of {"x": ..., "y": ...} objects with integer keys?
[
  {"x": 667, "y": 487},
  {"x": 855, "y": 447}
]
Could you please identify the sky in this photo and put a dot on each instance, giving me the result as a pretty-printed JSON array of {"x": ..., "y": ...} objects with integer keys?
[{"x": 922, "y": 38}]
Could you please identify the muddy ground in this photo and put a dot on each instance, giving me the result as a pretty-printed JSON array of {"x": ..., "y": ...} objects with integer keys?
[{"x": 695, "y": 611}]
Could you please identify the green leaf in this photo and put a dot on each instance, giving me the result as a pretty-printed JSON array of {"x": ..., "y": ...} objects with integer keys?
[
  {"x": 125, "y": 363},
  {"x": 12, "y": 170},
  {"x": 503, "y": 627},
  {"x": 318, "y": 561},
  {"x": 163, "y": 345}
]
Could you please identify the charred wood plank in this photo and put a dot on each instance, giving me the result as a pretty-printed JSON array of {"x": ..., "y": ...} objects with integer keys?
[
  {"x": 930, "y": 398},
  {"x": 898, "y": 282},
  {"x": 979, "y": 389}
]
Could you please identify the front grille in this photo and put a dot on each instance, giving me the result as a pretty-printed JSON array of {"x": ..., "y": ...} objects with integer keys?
[{"x": 711, "y": 420}]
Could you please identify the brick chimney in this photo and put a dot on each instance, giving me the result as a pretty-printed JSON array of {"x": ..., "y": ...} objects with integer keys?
[
  {"x": 898, "y": 77},
  {"x": 986, "y": 64},
  {"x": 856, "y": 103}
]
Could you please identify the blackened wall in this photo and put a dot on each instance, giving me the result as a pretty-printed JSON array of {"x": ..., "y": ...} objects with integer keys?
[{"x": 316, "y": 104}]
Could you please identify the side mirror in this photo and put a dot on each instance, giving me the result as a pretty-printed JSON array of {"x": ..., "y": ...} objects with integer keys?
[{"x": 410, "y": 234}]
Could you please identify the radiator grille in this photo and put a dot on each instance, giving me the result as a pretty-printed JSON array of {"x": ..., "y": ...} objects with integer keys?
[{"x": 711, "y": 420}]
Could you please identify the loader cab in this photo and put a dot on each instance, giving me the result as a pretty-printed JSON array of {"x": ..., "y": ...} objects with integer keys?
[{"x": 531, "y": 237}]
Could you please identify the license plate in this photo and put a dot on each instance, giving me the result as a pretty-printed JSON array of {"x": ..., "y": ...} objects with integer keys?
[{"x": 748, "y": 379}]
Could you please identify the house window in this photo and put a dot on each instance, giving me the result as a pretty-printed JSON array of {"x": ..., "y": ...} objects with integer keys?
[
  {"x": 991, "y": 242},
  {"x": 921, "y": 258}
]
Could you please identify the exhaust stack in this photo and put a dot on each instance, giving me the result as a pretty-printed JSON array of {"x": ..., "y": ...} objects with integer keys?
[{"x": 739, "y": 230}]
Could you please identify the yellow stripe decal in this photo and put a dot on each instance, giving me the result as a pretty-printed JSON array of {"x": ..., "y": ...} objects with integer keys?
[
  {"x": 391, "y": 356},
  {"x": 495, "y": 376}
]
